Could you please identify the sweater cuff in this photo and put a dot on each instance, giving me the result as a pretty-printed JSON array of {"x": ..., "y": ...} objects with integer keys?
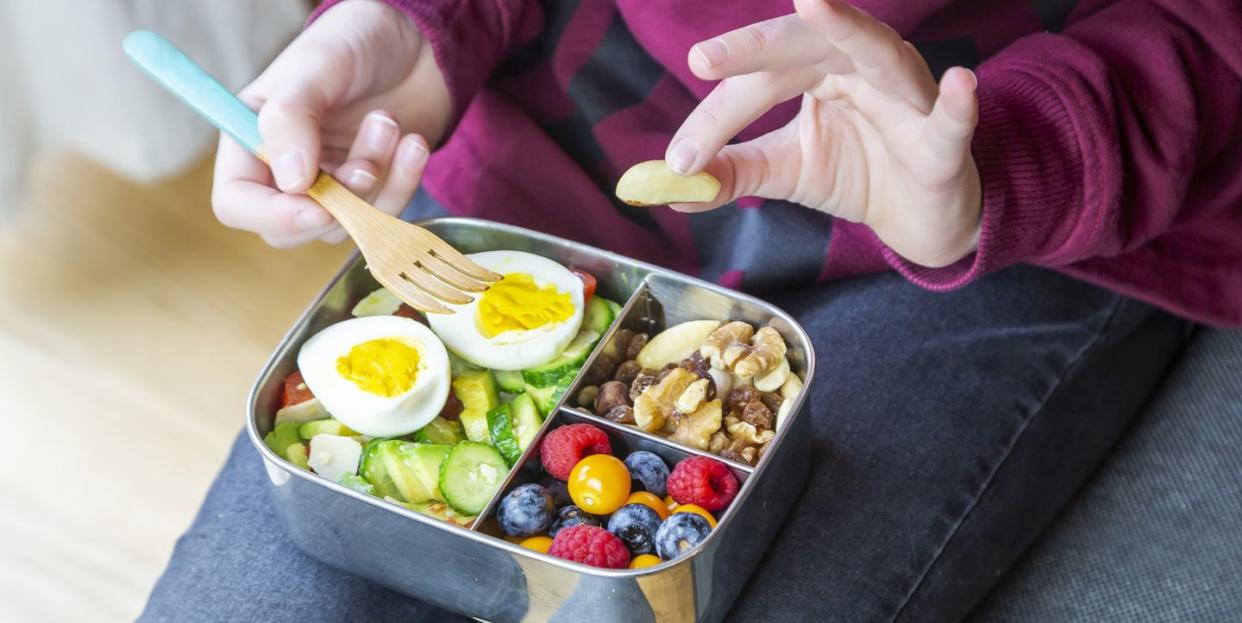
[
  {"x": 1030, "y": 169},
  {"x": 461, "y": 64}
]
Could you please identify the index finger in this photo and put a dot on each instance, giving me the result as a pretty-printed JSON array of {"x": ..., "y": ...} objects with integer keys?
[
  {"x": 243, "y": 196},
  {"x": 880, "y": 56}
]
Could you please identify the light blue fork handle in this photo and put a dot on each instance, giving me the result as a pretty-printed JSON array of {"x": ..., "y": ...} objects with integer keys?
[{"x": 173, "y": 69}]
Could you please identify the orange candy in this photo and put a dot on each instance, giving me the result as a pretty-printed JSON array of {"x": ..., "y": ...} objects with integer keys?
[
  {"x": 697, "y": 510},
  {"x": 599, "y": 484},
  {"x": 651, "y": 500},
  {"x": 645, "y": 560},
  {"x": 537, "y": 543}
]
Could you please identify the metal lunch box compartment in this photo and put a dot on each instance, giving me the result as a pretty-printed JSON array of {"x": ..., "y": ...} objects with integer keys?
[{"x": 474, "y": 572}]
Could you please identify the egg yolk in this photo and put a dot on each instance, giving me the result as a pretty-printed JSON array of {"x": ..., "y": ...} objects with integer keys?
[
  {"x": 517, "y": 303},
  {"x": 384, "y": 367}
]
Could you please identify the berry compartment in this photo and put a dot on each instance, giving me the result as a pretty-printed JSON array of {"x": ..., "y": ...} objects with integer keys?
[{"x": 623, "y": 442}]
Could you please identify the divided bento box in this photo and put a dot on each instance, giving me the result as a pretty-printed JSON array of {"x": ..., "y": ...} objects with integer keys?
[{"x": 472, "y": 569}]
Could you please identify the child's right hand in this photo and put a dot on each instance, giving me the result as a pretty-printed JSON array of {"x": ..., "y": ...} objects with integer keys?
[{"x": 339, "y": 97}]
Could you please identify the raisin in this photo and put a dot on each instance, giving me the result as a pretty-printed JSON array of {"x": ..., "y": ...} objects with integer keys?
[
  {"x": 772, "y": 401},
  {"x": 621, "y": 341},
  {"x": 586, "y": 397},
  {"x": 741, "y": 396},
  {"x": 627, "y": 371},
  {"x": 756, "y": 414},
  {"x": 621, "y": 414},
  {"x": 600, "y": 370},
  {"x": 636, "y": 345},
  {"x": 668, "y": 368},
  {"x": 641, "y": 383},
  {"x": 611, "y": 394}
]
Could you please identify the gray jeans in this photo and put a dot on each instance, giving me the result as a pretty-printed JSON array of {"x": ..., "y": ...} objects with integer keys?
[{"x": 949, "y": 430}]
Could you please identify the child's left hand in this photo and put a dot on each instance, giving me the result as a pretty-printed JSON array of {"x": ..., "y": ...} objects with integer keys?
[{"x": 876, "y": 141}]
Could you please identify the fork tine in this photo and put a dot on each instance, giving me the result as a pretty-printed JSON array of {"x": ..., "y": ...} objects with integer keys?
[
  {"x": 413, "y": 296},
  {"x": 428, "y": 283},
  {"x": 454, "y": 257},
  {"x": 449, "y": 274}
]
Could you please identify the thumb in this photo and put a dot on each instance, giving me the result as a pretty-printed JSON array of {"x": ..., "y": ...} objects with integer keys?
[
  {"x": 756, "y": 168},
  {"x": 293, "y": 95}
]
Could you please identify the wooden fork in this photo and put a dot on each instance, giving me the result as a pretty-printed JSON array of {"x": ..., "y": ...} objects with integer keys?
[{"x": 416, "y": 265}]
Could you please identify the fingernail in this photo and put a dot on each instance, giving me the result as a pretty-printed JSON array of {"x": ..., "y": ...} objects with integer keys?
[
  {"x": 682, "y": 155},
  {"x": 311, "y": 218},
  {"x": 379, "y": 132},
  {"x": 411, "y": 153},
  {"x": 288, "y": 169},
  {"x": 712, "y": 52},
  {"x": 361, "y": 181},
  {"x": 973, "y": 77}
]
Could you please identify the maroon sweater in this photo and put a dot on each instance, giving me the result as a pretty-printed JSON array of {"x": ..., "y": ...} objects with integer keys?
[{"x": 1109, "y": 139}]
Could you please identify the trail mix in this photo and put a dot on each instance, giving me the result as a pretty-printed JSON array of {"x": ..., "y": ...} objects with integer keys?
[{"x": 721, "y": 387}]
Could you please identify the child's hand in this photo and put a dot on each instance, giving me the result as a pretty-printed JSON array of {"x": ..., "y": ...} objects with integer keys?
[
  {"x": 876, "y": 140},
  {"x": 338, "y": 97}
]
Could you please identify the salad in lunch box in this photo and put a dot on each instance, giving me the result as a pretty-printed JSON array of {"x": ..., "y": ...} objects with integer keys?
[{"x": 431, "y": 412}]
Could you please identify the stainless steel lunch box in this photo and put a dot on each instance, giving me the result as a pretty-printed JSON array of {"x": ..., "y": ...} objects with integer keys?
[{"x": 480, "y": 575}]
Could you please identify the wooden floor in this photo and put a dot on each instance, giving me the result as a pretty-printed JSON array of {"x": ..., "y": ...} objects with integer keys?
[{"x": 131, "y": 326}]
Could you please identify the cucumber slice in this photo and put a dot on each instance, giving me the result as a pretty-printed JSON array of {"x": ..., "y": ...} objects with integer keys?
[
  {"x": 375, "y": 470},
  {"x": 546, "y": 398},
  {"x": 457, "y": 365},
  {"x": 471, "y": 475},
  {"x": 526, "y": 420},
  {"x": 600, "y": 313},
  {"x": 409, "y": 486},
  {"x": 440, "y": 430},
  {"x": 566, "y": 363},
  {"x": 355, "y": 482},
  {"x": 324, "y": 427},
  {"x": 501, "y": 428},
  {"x": 510, "y": 381},
  {"x": 424, "y": 460},
  {"x": 380, "y": 302}
]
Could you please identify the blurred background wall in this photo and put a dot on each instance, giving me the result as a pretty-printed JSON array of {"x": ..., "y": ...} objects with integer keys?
[{"x": 131, "y": 323}]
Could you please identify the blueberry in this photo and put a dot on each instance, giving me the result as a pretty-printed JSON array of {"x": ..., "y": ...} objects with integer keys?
[
  {"x": 650, "y": 470},
  {"x": 559, "y": 491},
  {"x": 571, "y": 516},
  {"x": 635, "y": 525},
  {"x": 680, "y": 533},
  {"x": 525, "y": 511}
]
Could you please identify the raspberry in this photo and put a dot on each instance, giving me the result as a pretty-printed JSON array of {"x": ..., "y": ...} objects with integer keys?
[
  {"x": 590, "y": 545},
  {"x": 565, "y": 446},
  {"x": 703, "y": 481}
]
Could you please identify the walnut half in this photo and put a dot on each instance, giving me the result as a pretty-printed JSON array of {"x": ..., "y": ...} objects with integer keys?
[
  {"x": 696, "y": 429},
  {"x": 768, "y": 350},
  {"x": 657, "y": 402}
]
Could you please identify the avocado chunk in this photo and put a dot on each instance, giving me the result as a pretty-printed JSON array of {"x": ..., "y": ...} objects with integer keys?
[
  {"x": 440, "y": 430},
  {"x": 476, "y": 389},
  {"x": 285, "y": 442},
  {"x": 308, "y": 430}
]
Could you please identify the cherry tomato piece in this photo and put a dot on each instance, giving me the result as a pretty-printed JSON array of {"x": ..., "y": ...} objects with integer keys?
[
  {"x": 599, "y": 484},
  {"x": 296, "y": 390},
  {"x": 588, "y": 283}
]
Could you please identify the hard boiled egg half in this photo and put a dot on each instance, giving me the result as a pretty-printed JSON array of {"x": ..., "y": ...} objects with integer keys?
[
  {"x": 525, "y": 319},
  {"x": 382, "y": 376}
]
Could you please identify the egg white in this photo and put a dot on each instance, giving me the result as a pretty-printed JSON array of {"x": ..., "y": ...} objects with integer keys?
[
  {"x": 512, "y": 350},
  {"x": 368, "y": 413}
]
